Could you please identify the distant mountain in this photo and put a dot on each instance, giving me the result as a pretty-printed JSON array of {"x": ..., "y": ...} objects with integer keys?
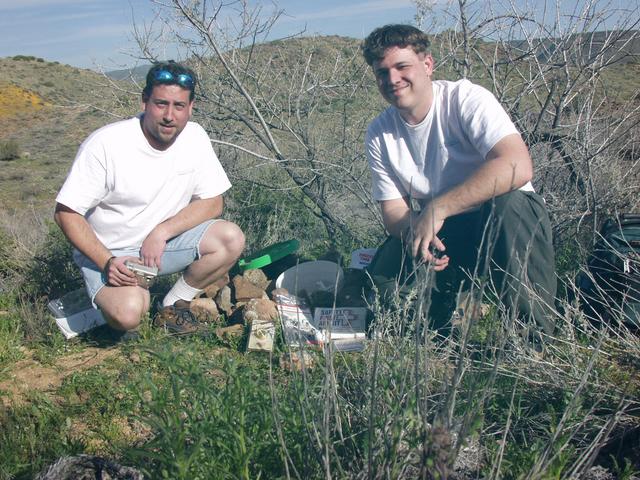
[
  {"x": 612, "y": 46},
  {"x": 137, "y": 73}
]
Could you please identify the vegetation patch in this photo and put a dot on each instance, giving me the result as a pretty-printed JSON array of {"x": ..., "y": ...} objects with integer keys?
[
  {"x": 15, "y": 99},
  {"x": 9, "y": 150}
]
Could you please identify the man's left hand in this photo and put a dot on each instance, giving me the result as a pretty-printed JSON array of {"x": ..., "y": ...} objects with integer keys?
[
  {"x": 424, "y": 239},
  {"x": 153, "y": 248}
]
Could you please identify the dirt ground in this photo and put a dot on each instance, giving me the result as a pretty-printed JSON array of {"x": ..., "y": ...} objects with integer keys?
[{"x": 29, "y": 375}]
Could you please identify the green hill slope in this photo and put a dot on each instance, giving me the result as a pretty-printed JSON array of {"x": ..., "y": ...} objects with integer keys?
[{"x": 48, "y": 109}]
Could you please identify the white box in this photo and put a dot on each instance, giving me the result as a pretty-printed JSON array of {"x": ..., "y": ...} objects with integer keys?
[
  {"x": 261, "y": 335},
  {"x": 74, "y": 313},
  {"x": 348, "y": 345},
  {"x": 341, "y": 323},
  {"x": 361, "y": 258}
]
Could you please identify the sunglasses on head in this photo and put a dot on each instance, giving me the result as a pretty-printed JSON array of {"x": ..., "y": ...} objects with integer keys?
[{"x": 165, "y": 76}]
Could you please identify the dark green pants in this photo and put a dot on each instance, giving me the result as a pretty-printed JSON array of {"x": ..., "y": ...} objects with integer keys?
[{"x": 506, "y": 242}]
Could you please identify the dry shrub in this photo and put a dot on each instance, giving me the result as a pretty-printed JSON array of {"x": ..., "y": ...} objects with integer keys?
[{"x": 9, "y": 150}]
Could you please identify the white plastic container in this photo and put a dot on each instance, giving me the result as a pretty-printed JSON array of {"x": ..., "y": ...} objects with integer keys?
[{"x": 311, "y": 277}]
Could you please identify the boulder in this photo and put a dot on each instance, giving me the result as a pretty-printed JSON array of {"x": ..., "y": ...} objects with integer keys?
[
  {"x": 297, "y": 360},
  {"x": 212, "y": 290},
  {"x": 259, "y": 309},
  {"x": 230, "y": 333},
  {"x": 223, "y": 300},
  {"x": 204, "y": 309},
  {"x": 245, "y": 290},
  {"x": 257, "y": 278}
]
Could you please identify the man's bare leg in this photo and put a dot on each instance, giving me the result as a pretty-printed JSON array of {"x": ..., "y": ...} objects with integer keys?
[
  {"x": 220, "y": 247},
  {"x": 123, "y": 307}
]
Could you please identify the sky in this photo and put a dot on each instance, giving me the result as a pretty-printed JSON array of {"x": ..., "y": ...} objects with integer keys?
[{"x": 98, "y": 34}]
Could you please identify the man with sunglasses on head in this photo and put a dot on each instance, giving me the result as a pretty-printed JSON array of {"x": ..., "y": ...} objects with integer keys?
[
  {"x": 453, "y": 179},
  {"x": 148, "y": 190}
]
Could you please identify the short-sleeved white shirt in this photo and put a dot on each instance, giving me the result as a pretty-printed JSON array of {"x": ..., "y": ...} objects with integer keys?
[
  {"x": 125, "y": 188},
  {"x": 464, "y": 123}
]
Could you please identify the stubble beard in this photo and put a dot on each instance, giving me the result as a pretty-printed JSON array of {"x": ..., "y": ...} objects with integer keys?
[{"x": 160, "y": 139}]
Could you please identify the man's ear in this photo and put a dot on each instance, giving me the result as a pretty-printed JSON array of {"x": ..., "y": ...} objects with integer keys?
[{"x": 428, "y": 63}]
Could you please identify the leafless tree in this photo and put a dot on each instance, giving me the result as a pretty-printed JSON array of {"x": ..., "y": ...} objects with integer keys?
[
  {"x": 553, "y": 66},
  {"x": 294, "y": 122},
  {"x": 285, "y": 119}
]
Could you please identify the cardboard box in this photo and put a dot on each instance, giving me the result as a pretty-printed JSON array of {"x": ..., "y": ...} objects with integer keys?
[
  {"x": 261, "y": 335},
  {"x": 361, "y": 258},
  {"x": 74, "y": 314},
  {"x": 341, "y": 323}
]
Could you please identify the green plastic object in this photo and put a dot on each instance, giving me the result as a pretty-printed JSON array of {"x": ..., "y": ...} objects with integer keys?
[{"x": 269, "y": 254}]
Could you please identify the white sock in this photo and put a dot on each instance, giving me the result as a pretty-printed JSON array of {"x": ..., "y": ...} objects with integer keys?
[{"x": 181, "y": 290}]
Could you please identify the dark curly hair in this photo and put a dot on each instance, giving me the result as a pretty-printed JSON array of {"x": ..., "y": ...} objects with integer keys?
[
  {"x": 175, "y": 70},
  {"x": 396, "y": 35}
]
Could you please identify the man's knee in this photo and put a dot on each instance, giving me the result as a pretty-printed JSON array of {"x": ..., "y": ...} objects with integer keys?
[
  {"x": 123, "y": 307},
  {"x": 223, "y": 236},
  {"x": 522, "y": 256},
  {"x": 505, "y": 208}
]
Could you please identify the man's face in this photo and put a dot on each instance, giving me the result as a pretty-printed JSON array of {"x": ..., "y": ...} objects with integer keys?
[
  {"x": 404, "y": 80},
  {"x": 166, "y": 113}
]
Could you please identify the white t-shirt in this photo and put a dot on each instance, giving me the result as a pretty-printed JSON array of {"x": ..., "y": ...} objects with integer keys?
[
  {"x": 124, "y": 187},
  {"x": 464, "y": 123}
]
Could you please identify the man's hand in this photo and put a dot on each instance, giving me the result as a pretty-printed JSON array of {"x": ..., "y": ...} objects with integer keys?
[
  {"x": 153, "y": 247},
  {"x": 419, "y": 230},
  {"x": 424, "y": 242},
  {"x": 117, "y": 274}
]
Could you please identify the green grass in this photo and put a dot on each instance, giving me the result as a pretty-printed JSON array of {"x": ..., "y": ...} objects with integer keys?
[{"x": 189, "y": 408}]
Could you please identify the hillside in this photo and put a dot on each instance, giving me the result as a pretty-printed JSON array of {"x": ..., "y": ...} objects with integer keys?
[
  {"x": 48, "y": 109},
  {"x": 64, "y": 104}
]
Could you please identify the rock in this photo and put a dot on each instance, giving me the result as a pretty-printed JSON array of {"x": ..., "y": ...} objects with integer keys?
[
  {"x": 245, "y": 290},
  {"x": 296, "y": 360},
  {"x": 88, "y": 467},
  {"x": 332, "y": 256},
  {"x": 279, "y": 292},
  {"x": 257, "y": 278},
  {"x": 259, "y": 309},
  {"x": 321, "y": 299},
  {"x": 354, "y": 287},
  {"x": 597, "y": 473},
  {"x": 223, "y": 300},
  {"x": 204, "y": 309},
  {"x": 212, "y": 290},
  {"x": 231, "y": 332}
]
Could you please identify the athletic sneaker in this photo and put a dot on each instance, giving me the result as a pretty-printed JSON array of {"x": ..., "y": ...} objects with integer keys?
[{"x": 177, "y": 319}]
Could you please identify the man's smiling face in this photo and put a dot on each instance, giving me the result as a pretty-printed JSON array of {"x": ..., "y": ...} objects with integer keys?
[{"x": 404, "y": 80}]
